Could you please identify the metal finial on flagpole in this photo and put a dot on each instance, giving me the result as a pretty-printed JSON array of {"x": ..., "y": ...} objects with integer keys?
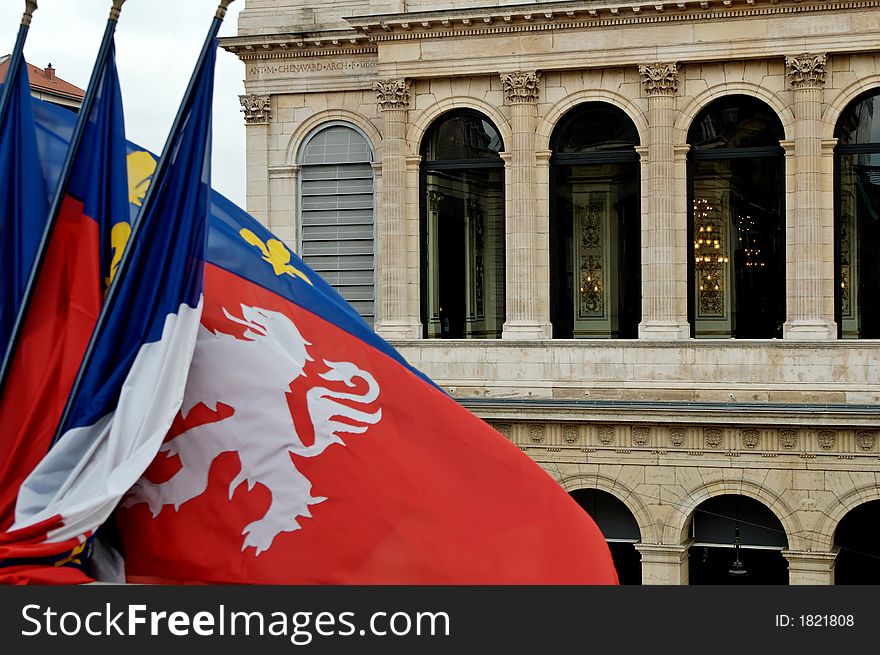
[
  {"x": 114, "y": 11},
  {"x": 221, "y": 10},
  {"x": 30, "y": 6}
]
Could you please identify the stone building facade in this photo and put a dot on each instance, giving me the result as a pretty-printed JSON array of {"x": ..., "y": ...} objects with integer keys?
[{"x": 520, "y": 197}]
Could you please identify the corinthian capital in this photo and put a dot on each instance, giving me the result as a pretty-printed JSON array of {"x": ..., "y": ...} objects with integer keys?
[
  {"x": 659, "y": 79},
  {"x": 392, "y": 94},
  {"x": 520, "y": 86},
  {"x": 256, "y": 108},
  {"x": 806, "y": 71}
]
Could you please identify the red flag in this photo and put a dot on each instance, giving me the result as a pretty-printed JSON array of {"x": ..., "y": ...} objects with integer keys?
[{"x": 307, "y": 455}]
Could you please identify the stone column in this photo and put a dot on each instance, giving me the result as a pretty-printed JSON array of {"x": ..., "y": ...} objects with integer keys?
[
  {"x": 527, "y": 260},
  {"x": 664, "y": 564},
  {"x": 810, "y": 296},
  {"x": 257, "y": 113},
  {"x": 394, "y": 317},
  {"x": 664, "y": 259},
  {"x": 808, "y": 568}
]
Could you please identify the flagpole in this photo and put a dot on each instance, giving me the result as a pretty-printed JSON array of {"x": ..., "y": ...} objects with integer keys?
[
  {"x": 17, "y": 52},
  {"x": 66, "y": 170},
  {"x": 156, "y": 184}
]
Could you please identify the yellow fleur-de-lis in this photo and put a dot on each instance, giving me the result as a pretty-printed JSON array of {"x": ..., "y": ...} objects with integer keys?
[
  {"x": 119, "y": 235},
  {"x": 141, "y": 167},
  {"x": 275, "y": 253},
  {"x": 73, "y": 558}
]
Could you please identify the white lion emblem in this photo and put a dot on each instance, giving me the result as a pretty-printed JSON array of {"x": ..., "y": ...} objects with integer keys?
[{"x": 261, "y": 430}]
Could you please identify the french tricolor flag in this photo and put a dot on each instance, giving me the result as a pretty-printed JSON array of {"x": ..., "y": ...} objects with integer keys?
[{"x": 131, "y": 381}]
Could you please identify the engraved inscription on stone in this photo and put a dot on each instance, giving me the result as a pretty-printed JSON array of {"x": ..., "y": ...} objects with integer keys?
[{"x": 295, "y": 69}]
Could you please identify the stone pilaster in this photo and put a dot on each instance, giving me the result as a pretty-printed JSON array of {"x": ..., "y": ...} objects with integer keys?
[
  {"x": 664, "y": 280},
  {"x": 282, "y": 204},
  {"x": 663, "y": 564},
  {"x": 810, "y": 301},
  {"x": 394, "y": 316},
  {"x": 809, "y": 568},
  {"x": 527, "y": 258},
  {"x": 257, "y": 113}
]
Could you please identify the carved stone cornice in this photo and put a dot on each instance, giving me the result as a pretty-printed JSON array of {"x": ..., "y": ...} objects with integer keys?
[
  {"x": 520, "y": 86},
  {"x": 659, "y": 79},
  {"x": 330, "y": 43},
  {"x": 257, "y": 109},
  {"x": 392, "y": 94},
  {"x": 806, "y": 71},
  {"x": 573, "y": 14}
]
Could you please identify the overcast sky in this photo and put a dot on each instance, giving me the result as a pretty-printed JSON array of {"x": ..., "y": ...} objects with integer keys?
[{"x": 157, "y": 42}]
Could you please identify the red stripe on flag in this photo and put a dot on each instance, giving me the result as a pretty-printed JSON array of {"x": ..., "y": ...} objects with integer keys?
[{"x": 63, "y": 311}]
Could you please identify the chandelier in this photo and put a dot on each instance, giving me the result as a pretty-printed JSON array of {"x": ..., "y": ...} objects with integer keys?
[{"x": 710, "y": 258}]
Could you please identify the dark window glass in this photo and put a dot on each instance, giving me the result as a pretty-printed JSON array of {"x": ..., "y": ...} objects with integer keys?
[
  {"x": 462, "y": 228},
  {"x": 463, "y": 135},
  {"x": 735, "y": 121},
  {"x": 857, "y": 220},
  {"x": 595, "y": 241},
  {"x": 737, "y": 261},
  {"x": 594, "y": 127}
]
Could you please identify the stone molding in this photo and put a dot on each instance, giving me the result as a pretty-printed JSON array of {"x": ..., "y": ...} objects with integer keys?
[
  {"x": 693, "y": 440},
  {"x": 392, "y": 94},
  {"x": 659, "y": 79},
  {"x": 257, "y": 109},
  {"x": 521, "y": 87},
  {"x": 574, "y": 15},
  {"x": 806, "y": 71}
]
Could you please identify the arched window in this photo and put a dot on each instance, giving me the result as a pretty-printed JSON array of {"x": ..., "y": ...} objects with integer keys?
[
  {"x": 736, "y": 275},
  {"x": 595, "y": 246},
  {"x": 618, "y": 526},
  {"x": 736, "y": 540},
  {"x": 462, "y": 231},
  {"x": 336, "y": 227},
  {"x": 858, "y": 560},
  {"x": 857, "y": 219}
]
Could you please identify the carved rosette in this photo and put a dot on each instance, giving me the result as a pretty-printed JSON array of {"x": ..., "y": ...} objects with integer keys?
[
  {"x": 866, "y": 440},
  {"x": 713, "y": 437},
  {"x": 520, "y": 87},
  {"x": 536, "y": 433},
  {"x": 257, "y": 109},
  {"x": 606, "y": 435},
  {"x": 660, "y": 79},
  {"x": 503, "y": 429},
  {"x": 570, "y": 433},
  {"x": 392, "y": 94},
  {"x": 788, "y": 438},
  {"x": 640, "y": 436},
  {"x": 806, "y": 71}
]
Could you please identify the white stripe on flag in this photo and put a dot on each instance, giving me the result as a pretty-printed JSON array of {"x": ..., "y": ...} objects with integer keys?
[{"x": 87, "y": 472}]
